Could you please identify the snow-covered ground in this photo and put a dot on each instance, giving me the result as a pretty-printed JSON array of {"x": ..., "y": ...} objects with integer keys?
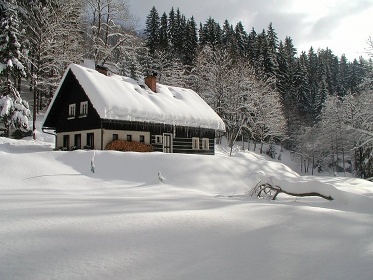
[{"x": 58, "y": 220}]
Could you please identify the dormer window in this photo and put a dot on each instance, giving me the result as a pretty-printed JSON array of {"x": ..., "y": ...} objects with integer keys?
[
  {"x": 72, "y": 110},
  {"x": 83, "y": 109}
]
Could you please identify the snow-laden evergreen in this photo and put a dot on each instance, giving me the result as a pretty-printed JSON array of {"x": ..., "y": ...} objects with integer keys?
[{"x": 14, "y": 112}]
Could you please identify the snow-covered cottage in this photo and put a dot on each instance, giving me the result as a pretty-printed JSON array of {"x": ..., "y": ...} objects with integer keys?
[{"x": 91, "y": 108}]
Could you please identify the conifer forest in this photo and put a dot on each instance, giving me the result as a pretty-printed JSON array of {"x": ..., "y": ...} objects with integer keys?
[{"x": 314, "y": 103}]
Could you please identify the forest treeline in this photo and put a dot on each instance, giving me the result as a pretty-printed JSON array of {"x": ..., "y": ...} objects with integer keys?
[{"x": 313, "y": 103}]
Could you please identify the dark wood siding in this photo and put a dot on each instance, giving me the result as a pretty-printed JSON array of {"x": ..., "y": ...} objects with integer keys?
[
  {"x": 77, "y": 96},
  {"x": 182, "y": 140},
  {"x": 71, "y": 93}
]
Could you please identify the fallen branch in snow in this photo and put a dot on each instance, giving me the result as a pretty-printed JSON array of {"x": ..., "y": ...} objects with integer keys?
[{"x": 266, "y": 190}]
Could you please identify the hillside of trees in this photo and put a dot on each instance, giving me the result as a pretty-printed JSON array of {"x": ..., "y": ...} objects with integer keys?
[{"x": 313, "y": 103}]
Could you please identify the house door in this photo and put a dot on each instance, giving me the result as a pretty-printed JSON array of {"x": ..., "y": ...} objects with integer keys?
[
  {"x": 77, "y": 141},
  {"x": 66, "y": 141},
  {"x": 90, "y": 140},
  {"x": 167, "y": 142}
]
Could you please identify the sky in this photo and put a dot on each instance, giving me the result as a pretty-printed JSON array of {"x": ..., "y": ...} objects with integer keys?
[{"x": 344, "y": 26}]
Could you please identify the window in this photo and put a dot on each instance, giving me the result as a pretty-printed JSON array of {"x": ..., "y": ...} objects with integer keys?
[
  {"x": 129, "y": 137},
  {"x": 83, "y": 109},
  {"x": 72, "y": 111},
  {"x": 115, "y": 137},
  {"x": 90, "y": 140},
  {"x": 142, "y": 138},
  {"x": 77, "y": 141},
  {"x": 205, "y": 144},
  {"x": 195, "y": 143},
  {"x": 66, "y": 142},
  {"x": 158, "y": 139}
]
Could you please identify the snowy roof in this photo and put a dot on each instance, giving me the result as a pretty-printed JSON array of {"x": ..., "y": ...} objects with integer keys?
[{"x": 121, "y": 98}]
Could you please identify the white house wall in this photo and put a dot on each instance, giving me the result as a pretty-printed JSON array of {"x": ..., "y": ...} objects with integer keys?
[
  {"x": 122, "y": 135},
  {"x": 83, "y": 133},
  {"x": 107, "y": 137}
]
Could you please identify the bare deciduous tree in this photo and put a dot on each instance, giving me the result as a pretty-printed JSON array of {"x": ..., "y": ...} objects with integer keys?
[{"x": 106, "y": 21}]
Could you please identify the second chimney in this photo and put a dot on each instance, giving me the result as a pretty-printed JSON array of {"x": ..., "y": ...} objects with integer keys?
[
  {"x": 151, "y": 81},
  {"x": 102, "y": 69}
]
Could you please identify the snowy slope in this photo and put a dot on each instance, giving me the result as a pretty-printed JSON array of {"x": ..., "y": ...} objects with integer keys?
[{"x": 61, "y": 221}]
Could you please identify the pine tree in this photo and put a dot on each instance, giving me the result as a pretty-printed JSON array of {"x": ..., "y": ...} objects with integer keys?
[
  {"x": 271, "y": 64},
  {"x": 190, "y": 43},
  {"x": 302, "y": 84},
  {"x": 179, "y": 36},
  {"x": 251, "y": 46},
  {"x": 240, "y": 40},
  {"x": 14, "y": 112},
  {"x": 286, "y": 72},
  {"x": 228, "y": 37},
  {"x": 171, "y": 29},
  {"x": 330, "y": 64},
  {"x": 211, "y": 34},
  {"x": 152, "y": 31},
  {"x": 356, "y": 75},
  {"x": 11, "y": 67},
  {"x": 319, "y": 99},
  {"x": 343, "y": 76},
  {"x": 312, "y": 81},
  {"x": 163, "y": 33},
  {"x": 261, "y": 48}
]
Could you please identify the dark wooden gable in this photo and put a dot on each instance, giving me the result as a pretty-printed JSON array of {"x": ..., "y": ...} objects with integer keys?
[{"x": 71, "y": 92}]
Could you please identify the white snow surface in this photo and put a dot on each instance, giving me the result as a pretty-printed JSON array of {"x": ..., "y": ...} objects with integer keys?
[
  {"x": 59, "y": 220},
  {"x": 122, "y": 98}
]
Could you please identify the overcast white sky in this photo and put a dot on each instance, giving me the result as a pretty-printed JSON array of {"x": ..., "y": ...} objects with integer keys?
[{"x": 342, "y": 25}]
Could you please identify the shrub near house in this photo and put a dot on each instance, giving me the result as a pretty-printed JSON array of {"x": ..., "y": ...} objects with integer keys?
[{"x": 125, "y": 146}]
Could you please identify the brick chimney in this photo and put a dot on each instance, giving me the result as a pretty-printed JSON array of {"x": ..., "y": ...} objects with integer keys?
[
  {"x": 102, "y": 69},
  {"x": 151, "y": 81}
]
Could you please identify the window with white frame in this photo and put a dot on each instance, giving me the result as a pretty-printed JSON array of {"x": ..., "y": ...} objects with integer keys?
[
  {"x": 195, "y": 143},
  {"x": 72, "y": 110},
  {"x": 158, "y": 139},
  {"x": 83, "y": 109},
  {"x": 205, "y": 144}
]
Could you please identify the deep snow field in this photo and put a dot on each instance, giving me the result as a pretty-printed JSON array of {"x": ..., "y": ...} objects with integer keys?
[{"x": 58, "y": 220}]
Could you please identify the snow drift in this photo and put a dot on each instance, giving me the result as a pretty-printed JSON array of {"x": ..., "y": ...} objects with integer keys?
[{"x": 59, "y": 220}]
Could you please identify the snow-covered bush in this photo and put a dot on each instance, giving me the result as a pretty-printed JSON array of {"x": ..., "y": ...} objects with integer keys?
[{"x": 14, "y": 115}]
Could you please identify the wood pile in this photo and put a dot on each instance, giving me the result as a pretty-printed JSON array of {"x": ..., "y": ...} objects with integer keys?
[{"x": 127, "y": 146}]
